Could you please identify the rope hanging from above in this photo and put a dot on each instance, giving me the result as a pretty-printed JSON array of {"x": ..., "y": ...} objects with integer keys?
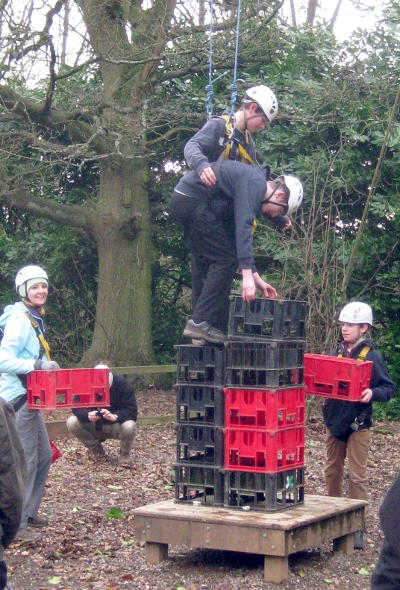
[{"x": 211, "y": 81}]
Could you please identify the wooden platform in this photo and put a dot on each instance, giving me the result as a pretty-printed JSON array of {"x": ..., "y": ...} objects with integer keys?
[{"x": 274, "y": 535}]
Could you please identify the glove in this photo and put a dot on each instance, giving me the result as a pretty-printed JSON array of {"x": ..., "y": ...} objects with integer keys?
[{"x": 43, "y": 365}]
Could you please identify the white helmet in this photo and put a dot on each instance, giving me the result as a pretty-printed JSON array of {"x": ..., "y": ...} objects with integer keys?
[
  {"x": 296, "y": 192},
  {"x": 29, "y": 276},
  {"x": 356, "y": 312},
  {"x": 110, "y": 375},
  {"x": 265, "y": 98}
]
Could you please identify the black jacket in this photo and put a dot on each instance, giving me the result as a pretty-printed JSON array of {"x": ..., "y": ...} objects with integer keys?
[
  {"x": 236, "y": 199},
  {"x": 339, "y": 415},
  {"x": 122, "y": 400},
  {"x": 207, "y": 145},
  {"x": 12, "y": 477},
  {"x": 387, "y": 573}
]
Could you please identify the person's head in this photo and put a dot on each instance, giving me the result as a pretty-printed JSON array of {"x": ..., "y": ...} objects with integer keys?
[
  {"x": 32, "y": 285},
  {"x": 355, "y": 319},
  {"x": 283, "y": 196},
  {"x": 110, "y": 375},
  {"x": 260, "y": 107}
]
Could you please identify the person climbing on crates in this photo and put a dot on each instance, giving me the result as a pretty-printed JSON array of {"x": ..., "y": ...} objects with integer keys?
[
  {"x": 348, "y": 423},
  {"x": 219, "y": 230},
  {"x": 24, "y": 349},
  {"x": 92, "y": 426}
]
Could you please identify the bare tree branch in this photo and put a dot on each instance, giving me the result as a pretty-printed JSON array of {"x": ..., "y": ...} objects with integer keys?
[{"x": 76, "y": 215}]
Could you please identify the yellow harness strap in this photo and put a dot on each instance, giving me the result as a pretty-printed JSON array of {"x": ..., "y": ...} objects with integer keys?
[
  {"x": 45, "y": 345},
  {"x": 244, "y": 157},
  {"x": 363, "y": 353}
]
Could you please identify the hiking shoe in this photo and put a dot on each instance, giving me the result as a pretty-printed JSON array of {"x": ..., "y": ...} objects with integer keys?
[
  {"x": 359, "y": 540},
  {"x": 37, "y": 521},
  {"x": 203, "y": 331},
  {"x": 26, "y": 536}
]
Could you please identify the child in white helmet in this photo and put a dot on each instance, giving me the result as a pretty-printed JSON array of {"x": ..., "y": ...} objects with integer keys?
[
  {"x": 23, "y": 349},
  {"x": 348, "y": 423}
]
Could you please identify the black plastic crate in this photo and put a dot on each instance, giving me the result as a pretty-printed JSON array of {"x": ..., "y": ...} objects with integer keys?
[
  {"x": 199, "y": 483},
  {"x": 261, "y": 319},
  {"x": 264, "y": 365},
  {"x": 200, "y": 364},
  {"x": 200, "y": 444},
  {"x": 200, "y": 404},
  {"x": 267, "y": 492}
]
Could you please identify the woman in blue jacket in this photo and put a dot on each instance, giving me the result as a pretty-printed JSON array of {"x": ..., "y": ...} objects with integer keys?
[{"x": 24, "y": 349}]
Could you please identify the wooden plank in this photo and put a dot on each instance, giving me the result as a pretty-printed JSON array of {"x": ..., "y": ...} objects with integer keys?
[
  {"x": 274, "y": 535},
  {"x": 314, "y": 510},
  {"x": 58, "y": 428},
  {"x": 144, "y": 370}
]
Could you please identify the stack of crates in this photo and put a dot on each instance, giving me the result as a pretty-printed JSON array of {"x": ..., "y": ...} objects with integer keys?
[
  {"x": 200, "y": 420},
  {"x": 240, "y": 411}
]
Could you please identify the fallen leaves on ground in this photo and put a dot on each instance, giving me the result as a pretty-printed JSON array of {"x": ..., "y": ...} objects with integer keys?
[{"x": 90, "y": 542}]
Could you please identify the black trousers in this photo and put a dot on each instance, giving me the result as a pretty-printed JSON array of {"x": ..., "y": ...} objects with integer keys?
[{"x": 211, "y": 243}]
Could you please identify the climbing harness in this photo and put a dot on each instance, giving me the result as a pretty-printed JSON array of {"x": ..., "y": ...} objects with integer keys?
[{"x": 362, "y": 354}]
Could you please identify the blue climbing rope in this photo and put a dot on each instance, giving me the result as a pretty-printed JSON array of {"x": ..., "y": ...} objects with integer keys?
[
  {"x": 211, "y": 81},
  {"x": 235, "y": 64},
  {"x": 209, "y": 87}
]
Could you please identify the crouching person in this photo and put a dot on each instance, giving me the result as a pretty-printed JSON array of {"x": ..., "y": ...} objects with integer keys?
[{"x": 92, "y": 426}]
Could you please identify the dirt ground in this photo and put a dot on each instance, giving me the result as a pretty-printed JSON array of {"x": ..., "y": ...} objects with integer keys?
[{"x": 90, "y": 541}]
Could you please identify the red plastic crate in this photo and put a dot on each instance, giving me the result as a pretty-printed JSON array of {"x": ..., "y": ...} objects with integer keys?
[
  {"x": 264, "y": 450},
  {"x": 267, "y": 409},
  {"x": 68, "y": 388},
  {"x": 336, "y": 378}
]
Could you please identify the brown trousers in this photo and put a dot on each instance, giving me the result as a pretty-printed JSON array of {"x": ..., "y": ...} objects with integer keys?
[{"x": 356, "y": 448}]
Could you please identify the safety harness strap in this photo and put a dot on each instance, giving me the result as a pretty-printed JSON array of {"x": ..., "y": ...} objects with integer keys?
[
  {"x": 45, "y": 347},
  {"x": 362, "y": 355}
]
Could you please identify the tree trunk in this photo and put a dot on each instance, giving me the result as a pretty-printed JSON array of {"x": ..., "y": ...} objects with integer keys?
[
  {"x": 311, "y": 10},
  {"x": 121, "y": 228}
]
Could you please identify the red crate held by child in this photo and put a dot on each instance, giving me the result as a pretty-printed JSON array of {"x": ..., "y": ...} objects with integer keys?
[
  {"x": 68, "y": 388},
  {"x": 335, "y": 377}
]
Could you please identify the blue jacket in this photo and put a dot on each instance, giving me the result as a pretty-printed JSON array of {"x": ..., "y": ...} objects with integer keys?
[{"x": 19, "y": 348}]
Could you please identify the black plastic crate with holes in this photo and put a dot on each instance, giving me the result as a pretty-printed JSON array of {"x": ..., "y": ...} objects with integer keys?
[
  {"x": 264, "y": 365},
  {"x": 267, "y": 492},
  {"x": 200, "y": 365},
  {"x": 266, "y": 319},
  {"x": 203, "y": 445},
  {"x": 200, "y": 404},
  {"x": 199, "y": 483}
]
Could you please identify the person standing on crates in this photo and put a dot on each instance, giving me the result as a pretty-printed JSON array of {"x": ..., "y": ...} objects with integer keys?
[
  {"x": 92, "y": 426},
  {"x": 24, "y": 349},
  {"x": 219, "y": 226},
  {"x": 348, "y": 423}
]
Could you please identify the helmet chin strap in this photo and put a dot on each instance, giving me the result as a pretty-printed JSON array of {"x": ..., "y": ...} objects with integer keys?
[{"x": 268, "y": 200}]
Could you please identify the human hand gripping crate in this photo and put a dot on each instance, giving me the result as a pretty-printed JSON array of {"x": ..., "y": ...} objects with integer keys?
[
  {"x": 68, "y": 388},
  {"x": 335, "y": 377}
]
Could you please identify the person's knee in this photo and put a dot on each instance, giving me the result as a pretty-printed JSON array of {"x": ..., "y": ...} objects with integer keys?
[{"x": 128, "y": 429}]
